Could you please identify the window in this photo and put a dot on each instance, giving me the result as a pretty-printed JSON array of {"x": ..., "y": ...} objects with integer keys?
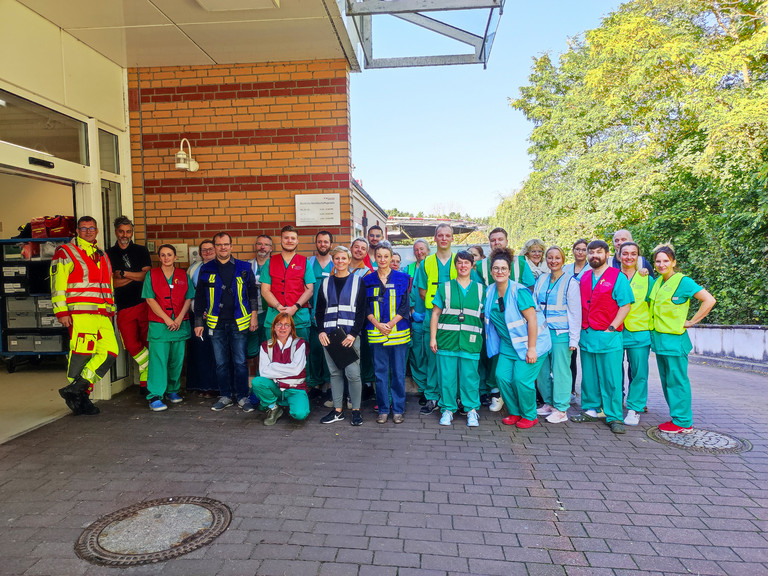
[
  {"x": 29, "y": 125},
  {"x": 108, "y": 156}
]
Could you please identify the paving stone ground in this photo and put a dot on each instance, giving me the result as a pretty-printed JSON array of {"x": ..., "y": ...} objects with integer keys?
[{"x": 415, "y": 499}]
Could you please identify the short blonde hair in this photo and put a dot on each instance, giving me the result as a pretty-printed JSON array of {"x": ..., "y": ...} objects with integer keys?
[{"x": 530, "y": 244}]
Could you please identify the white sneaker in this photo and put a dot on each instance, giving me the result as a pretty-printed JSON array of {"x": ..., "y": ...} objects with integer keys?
[
  {"x": 545, "y": 410},
  {"x": 592, "y": 413},
  {"x": 632, "y": 419},
  {"x": 557, "y": 417},
  {"x": 446, "y": 418},
  {"x": 496, "y": 404}
]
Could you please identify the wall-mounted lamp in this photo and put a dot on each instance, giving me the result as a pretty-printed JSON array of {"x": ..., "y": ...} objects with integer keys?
[{"x": 184, "y": 161}]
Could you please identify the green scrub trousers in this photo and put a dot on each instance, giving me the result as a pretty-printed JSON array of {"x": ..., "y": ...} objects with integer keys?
[
  {"x": 270, "y": 393},
  {"x": 516, "y": 380},
  {"x": 417, "y": 355},
  {"x": 601, "y": 382},
  {"x": 432, "y": 384},
  {"x": 673, "y": 371},
  {"x": 637, "y": 395},
  {"x": 458, "y": 375},
  {"x": 166, "y": 358},
  {"x": 554, "y": 380}
]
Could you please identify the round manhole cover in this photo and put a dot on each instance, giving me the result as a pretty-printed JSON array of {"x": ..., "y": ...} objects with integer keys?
[
  {"x": 701, "y": 441},
  {"x": 153, "y": 531}
]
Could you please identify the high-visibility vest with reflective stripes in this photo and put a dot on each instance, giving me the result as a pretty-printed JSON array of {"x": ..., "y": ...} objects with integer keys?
[
  {"x": 81, "y": 284},
  {"x": 483, "y": 269},
  {"x": 553, "y": 301},
  {"x": 458, "y": 334},
  {"x": 340, "y": 308},
  {"x": 383, "y": 305},
  {"x": 209, "y": 274},
  {"x": 666, "y": 316},
  {"x": 639, "y": 317},
  {"x": 517, "y": 325},
  {"x": 431, "y": 269}
]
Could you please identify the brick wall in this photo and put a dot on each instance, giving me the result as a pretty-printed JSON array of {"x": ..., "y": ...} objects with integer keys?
[{"x": 262, "y": 133}]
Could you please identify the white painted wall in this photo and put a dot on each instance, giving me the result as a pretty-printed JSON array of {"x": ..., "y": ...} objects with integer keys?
[
  {"x": 41, "y": 59},
  {"x": 744, "y": 342}
]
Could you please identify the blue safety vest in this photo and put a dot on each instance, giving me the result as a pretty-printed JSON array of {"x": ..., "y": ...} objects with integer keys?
[
  {"x": 383, "y": 305},
  {"x": 553, "y": 301},
  {"x": 209, "y": 272},
  {"x": 340, "y": 308},
  {"x": 516, "y": 324}
]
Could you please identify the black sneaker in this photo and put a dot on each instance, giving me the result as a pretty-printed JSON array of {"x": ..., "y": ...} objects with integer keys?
[
  {"x": 429, "y": 407},
  {"x": 332, "y": 417},
  {"x": 422, "y": 400},
  {"x": 485, "y": 400},
  {"x": 143, "y": 392},
  {"x": 357, "y": 418},
  {"x": 86, "y": 406}
]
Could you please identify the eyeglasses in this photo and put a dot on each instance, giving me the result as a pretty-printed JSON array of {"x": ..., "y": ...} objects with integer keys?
[
  {"x": 88, "y": 229},
  {"x": 222, "y": 245},
  {"x": 499, "y": 269},
  {"x": 282, "y": 325},
  {"x": 207, "y": 250}
]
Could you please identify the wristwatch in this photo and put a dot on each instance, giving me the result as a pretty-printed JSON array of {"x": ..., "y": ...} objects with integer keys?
[
  {"x": 122, "y": 273},
  {"x": 611, "y": 329}
]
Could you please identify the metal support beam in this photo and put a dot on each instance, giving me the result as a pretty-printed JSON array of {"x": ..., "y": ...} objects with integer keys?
[
  {"x": 366, "y": 7},
  {"x": 445, "y": 29},
  {"x": 414, "y": 61}
]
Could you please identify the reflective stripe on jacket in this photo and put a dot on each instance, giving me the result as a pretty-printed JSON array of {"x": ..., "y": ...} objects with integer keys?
[{"x": 81, "y": 283}]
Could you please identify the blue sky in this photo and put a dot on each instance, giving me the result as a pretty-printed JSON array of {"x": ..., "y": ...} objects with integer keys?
[{"x": 445, "y": 138}]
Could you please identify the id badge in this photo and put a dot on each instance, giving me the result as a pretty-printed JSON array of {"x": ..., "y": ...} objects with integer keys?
[{"x": 461, "y": 317}]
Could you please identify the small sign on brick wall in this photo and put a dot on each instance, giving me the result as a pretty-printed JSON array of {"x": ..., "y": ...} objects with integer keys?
[{"x": 318, "y": 209}]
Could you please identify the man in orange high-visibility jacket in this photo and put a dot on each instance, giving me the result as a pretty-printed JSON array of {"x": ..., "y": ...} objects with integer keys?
[{"x": 81, "y": 284}]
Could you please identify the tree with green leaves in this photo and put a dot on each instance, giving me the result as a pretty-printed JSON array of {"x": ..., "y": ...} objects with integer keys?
[{"x": 657, "y": 121}]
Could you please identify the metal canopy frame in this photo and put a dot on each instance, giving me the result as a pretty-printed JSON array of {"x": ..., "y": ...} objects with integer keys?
[{"x": 363, "y": 11}]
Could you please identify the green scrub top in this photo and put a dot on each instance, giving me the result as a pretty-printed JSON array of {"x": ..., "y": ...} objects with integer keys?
[
  {"x": 439, "y": 301},
  {"x": 416, "y": 302},
  {"x": 524, "y": 301},
  {"x": 302, "y": 316},
  {"x": 641, "y": 337},
  {"x": 601, "y": 341},
  {"x": 320, "y": 274},
  {"x": 158, "y": 331},
  {"x": 676, "y": 344}
]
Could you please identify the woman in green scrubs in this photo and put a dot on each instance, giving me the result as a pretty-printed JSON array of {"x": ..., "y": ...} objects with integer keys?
[
  {"x": 169, "y": 294},
  {"x": 670, "y": 298},
  {"x": 516, "y": 331},
  {"x": 636, "y": 336}
]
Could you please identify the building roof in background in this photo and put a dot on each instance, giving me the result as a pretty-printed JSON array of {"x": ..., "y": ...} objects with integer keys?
[{"x": 403, "y": 228}]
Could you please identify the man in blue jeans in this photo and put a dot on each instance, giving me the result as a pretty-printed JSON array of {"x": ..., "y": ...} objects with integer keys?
[{"x": 228, "y": 296}]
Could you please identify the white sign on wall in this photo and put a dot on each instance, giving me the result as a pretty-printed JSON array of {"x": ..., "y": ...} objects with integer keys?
[{"x": 318, "y": 209}]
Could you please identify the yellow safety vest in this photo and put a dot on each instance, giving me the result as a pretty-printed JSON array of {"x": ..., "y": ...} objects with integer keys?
[
  {"x": 639, "y": 317},
  {"x": 666, "y": 316},
  {"x": 430, "y": 268}
]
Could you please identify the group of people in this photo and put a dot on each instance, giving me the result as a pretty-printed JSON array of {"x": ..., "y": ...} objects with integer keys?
[{"x": 500, "y": 331}]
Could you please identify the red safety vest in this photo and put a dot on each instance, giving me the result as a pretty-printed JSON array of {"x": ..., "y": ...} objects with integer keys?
[
  {"x": 171, "y": 300},
  {"x": 288, "y": 282},
  {"x": 89, "y": 285},
  {"x": 285, "y": 357},
  {"x": 598, "y": 308}
]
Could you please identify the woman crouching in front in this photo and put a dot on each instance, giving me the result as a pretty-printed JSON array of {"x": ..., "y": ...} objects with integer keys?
[
  {"x": 282, "y": 372},
  {"x": 516, "y": 331}
]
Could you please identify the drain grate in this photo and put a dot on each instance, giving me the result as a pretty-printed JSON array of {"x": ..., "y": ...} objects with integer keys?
[
  {"x": 153, "y": 531},
  {"x": 699, "y": 440}
]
